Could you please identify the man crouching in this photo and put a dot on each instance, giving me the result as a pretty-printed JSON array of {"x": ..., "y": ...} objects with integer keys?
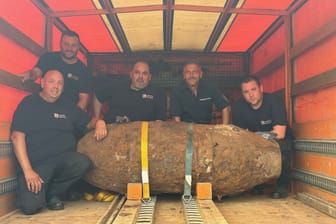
[{"x": 45, "y": 148}]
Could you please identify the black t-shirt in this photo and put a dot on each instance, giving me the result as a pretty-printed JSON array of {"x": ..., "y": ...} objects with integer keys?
[
  {"x": 48, "y": 126},
  {"x": 272, "y": 112},
  {"x": 77, "y": 78},
  {"x": 148, "y": 104},
  {"x": 196, "y": 109}
]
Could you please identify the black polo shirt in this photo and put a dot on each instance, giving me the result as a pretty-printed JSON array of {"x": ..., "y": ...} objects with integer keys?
[
  {"x": 148, "y": 104},
  {"x": 77, "y": 78},
  {"x": 196, "y": 109},
  {"x": 272, "y": 112},
  {"x": 48, "y": 126}
]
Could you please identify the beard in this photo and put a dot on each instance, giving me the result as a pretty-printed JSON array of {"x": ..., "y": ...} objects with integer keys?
[
  {"x": 139, "y": 84},
  {"x": 192, "y": 81},
  {"x": 68, "y": 56}
]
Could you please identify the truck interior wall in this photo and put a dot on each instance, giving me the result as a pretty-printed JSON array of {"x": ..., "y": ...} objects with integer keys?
[
  {"x": 316, "y": 60},
  {"x": 320, "y": 104},
  {"x": 28, "y": 20},
  {"x": 25, "y": 17},
  {"x": 272, "y": 48},
  {"x": 9, "y": 99},
  {"x": 102, "y": 42},
  {"x": 56, "y": 36},
  {"x": 17, "y": 58},
  {"x": 259, "y": 26},
  {"x": 315, "y": 116},
  {"x": 317, "y": 13},
  {"x": 275, "y": 81}
]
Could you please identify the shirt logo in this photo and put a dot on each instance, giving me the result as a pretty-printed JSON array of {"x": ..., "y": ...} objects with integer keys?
[
  {"x": 147, "y": 96},
  {"x": 266, "y": 122},
  {"x": 205, "y": 99},
  {"x": 72, "y": 76},
  {"x": 59, "y": 116}
]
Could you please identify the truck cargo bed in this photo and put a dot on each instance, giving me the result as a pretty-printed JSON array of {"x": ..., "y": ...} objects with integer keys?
[{"x": 169, "y": 210}]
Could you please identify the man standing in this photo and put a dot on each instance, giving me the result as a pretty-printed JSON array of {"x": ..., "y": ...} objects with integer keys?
[
  {"x": 193, "y": 100},
  {"x": 77, "y": 79},
  {"x": 265, "y": 114},
  {"x": 45, "y": 148},
  {"x": 137, "y": 100}
]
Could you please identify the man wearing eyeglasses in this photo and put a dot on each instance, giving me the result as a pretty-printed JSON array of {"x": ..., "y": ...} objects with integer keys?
[{"x": 193, "y": 100}]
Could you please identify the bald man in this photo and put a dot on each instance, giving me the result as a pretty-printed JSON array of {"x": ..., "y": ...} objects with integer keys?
[
  {"x": 45, "y": 147},
  {"x": 134, "y": 100}
]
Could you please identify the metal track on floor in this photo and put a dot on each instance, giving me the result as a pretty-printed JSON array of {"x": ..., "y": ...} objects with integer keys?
[
  {"x": 192, "y": 212},
  {"x": 124, "y": 211}
]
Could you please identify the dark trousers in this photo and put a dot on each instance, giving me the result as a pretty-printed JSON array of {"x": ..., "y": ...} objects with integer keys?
[
  {"x": 286, "y": 146},
  {"x": 58, "y": 175}
]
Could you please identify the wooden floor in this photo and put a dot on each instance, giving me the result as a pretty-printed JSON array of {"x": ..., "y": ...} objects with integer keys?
[
  {"x": 84, "y": 212},
  {"x": 169, "y": 210},
  {"x": 263, "y": 209}
]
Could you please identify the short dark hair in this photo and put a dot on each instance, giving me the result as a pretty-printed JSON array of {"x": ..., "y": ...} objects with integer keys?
[
  {"x": 144, "y": 62},
  {"x": 192, "y": 63},
  {"x": 249, "y": 79},
  {"x": 69, "y": 33}
]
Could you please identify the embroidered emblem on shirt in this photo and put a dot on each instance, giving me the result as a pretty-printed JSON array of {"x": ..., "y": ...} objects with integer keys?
[
  {"x": 72, "y": 76},
  {"x": 122, "y": 119},
  {"x": 205, "y": 99},
  {"x": 147, "y": 96},
  {"x": 265, "y": 122},
  {"x": 59, "y": 116}
]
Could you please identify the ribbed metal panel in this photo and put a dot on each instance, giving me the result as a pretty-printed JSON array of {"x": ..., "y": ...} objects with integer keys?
[
  {"x": 316, "y": 146},
  {"x": 7, "y": 185},
  {"x": 318, "y": 203},
  {"x": 6, "y": 149},
  {"x": 326, "y": 183}
]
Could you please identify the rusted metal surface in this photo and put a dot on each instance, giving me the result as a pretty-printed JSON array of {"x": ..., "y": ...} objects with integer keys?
[{"x": 230, "y": 158}]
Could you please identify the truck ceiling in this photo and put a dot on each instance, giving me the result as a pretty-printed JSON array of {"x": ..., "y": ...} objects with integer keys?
[{"x": 162, "y": 25}]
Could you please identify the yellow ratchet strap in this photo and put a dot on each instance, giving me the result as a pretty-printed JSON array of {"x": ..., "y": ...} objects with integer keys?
[{"x": 144, "y": 160}]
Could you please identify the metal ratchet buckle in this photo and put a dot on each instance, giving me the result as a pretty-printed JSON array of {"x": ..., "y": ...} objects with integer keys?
[
  {"x": 146, "y": 200},
  {"x": 186, "y": 198}
]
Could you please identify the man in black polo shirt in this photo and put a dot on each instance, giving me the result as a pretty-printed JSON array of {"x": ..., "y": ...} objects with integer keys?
[
  {"x": 45, "y": 148},
  {"x": 193, "y": 100},
  {"x": 135, "y": 100},
  {"x": 265, "y": 114},
  {"x": 77, "y": 78}
]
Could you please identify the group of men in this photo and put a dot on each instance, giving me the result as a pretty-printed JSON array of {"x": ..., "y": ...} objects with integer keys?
[{"x": 44, "y": 123}]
